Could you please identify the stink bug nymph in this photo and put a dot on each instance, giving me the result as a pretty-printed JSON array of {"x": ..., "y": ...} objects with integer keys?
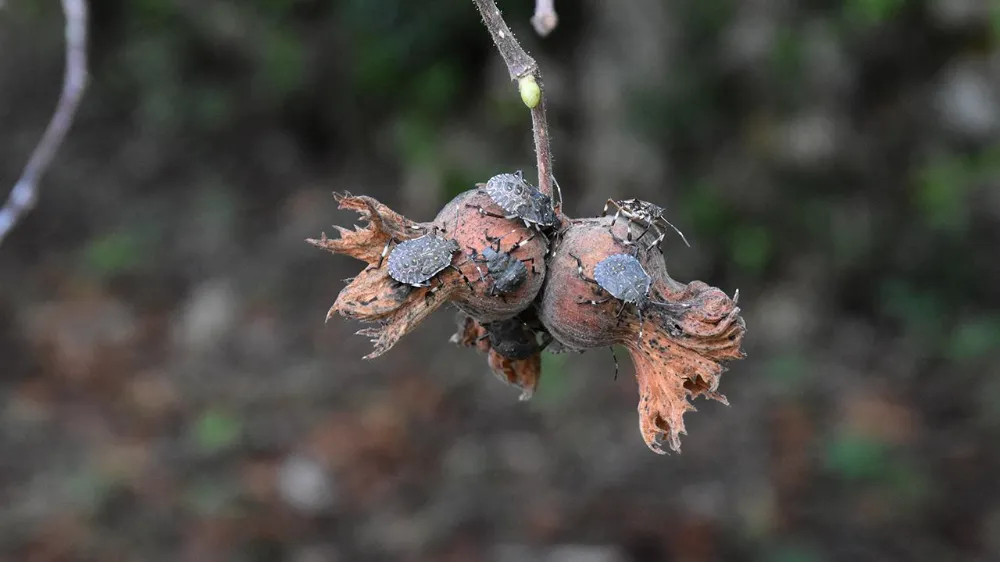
[
  {"x": 507, "y": 271},
  {"x": 646, "y": 215},
  {"x": 512, "y": 338},
  {"x": 623, "y": 277},
  {"x": 520, "y": 201},
  {"x": 417, "y": 261}
]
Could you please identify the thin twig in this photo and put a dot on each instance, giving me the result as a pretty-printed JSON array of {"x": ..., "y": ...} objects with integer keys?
[
  {"x": 22, "y": 198},
  {"x": 545, "y": 18},
  {"x": 519, "y": 65}
]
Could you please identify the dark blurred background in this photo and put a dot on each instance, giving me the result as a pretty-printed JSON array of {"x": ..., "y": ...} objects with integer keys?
[{"x": 169, "y": 390}]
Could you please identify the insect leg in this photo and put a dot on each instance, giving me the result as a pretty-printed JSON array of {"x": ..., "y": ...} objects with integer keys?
[
  {"x": 435, "y": 288},
  {"x": 639, "y": 311},
  {"x": 532, "y": 262},
  {"x": 648, "y": 226},
  {"x": 484, "y": 212},
  {"x": 617, "y": 214},
  {"x": 621, "y": 310},
  {"x": 520, "y": 242},
  {"x": 385, "y": 252},
  {"x": 615, "y": 357},
  {"x": 475, "y": 254},
  {"x": 548, "y": 244},
  {"x": 579, "y": 271},
  {"x": 558, "y": 191},
  {"x": 464, "y": 278},
  {"x": 496, "y": 239},
  {"x": 656, "y": 242}
]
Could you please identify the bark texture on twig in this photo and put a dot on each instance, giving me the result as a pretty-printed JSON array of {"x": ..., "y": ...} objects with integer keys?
[
  {"x": 25, "y": 192},
  {"x": 520, "y": 64}
]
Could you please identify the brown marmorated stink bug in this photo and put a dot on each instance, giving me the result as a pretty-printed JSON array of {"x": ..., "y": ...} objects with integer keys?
[
  {"x": 520, "y": 201},
  {"x": 646, "y": 215},
  {"x": 623, "y": 277},
  {"x": 415, "y": 262},
  {"x": 515, "y": 339},
  {"x": 507, "y": 271}
]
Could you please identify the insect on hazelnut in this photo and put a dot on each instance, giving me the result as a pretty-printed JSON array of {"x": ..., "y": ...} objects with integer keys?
[
  {"x": 502, "y": 288},
  {"x": 575, "y": 307}
]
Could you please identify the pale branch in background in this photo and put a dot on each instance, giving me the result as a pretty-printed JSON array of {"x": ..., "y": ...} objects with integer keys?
[
  {"x": 520, "y": 65},
  {"x": 545, "y": 18},
  {"x": 25, "y": 192}
]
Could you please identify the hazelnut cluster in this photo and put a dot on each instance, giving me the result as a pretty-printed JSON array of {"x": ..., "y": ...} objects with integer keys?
[{"x": 527, "y": 279}]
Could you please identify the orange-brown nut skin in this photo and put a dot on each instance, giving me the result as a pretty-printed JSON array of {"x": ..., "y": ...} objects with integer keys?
[
  {"x": 588, "y": 326},
  {"x": 470, "y": 228}
]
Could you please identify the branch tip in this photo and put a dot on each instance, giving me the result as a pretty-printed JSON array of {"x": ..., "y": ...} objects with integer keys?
[
  {"x": 520, "y": 65},
  {"x": 25, "y": 192}
]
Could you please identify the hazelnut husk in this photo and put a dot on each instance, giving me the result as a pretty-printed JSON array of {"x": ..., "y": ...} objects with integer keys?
[
  {"x": 522, "y": 373},
  {"x": 472, "y": 230},
  {"x": 681, "y": 351},
  {"x": 374, "y": 297}
]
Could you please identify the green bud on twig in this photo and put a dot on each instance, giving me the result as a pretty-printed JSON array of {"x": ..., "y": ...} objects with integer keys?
[{"x": 531, "y": 94}]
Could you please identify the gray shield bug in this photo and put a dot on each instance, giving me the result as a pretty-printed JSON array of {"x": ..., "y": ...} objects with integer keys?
[
  {"x": 507, "y": 271},
  {"x": 415, "y": 262},
  {"x": 512, "y": 338},
  {"x": 645, "y": 214},
  {"x": 519, "y": 200},
  {"x": 623, "y": 277}
]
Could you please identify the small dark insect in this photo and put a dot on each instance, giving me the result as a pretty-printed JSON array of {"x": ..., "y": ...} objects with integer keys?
[
  {"x": 415, "y": 262},
  {"x": 515, "y": 338},
  {"x": 645, "y": 214},
  {"x": 507, "y": 271},
  {"x": 623, "y": 277},
  {"x": 519, "y": 200},
  {"x": 512, "y": 338}
]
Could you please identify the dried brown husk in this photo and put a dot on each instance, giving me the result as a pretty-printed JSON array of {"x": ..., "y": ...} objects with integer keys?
[
  {"x": 372, "y": 296},
  {"x": 680, "y": 355}
]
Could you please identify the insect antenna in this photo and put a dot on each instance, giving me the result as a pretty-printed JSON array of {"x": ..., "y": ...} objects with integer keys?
[
  {"x": 615, "y": 357},
  {"x": 558, "y": 192},
  {"x": 677, "y": 230}
]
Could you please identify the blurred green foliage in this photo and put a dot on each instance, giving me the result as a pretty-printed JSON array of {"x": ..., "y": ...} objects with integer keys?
[
  {"x": 789, "y": 372},
  {"x": 856, "y": 457},
  {"x": 866, "y": 12},
  {"x": 554, "y": 386},
  {"x": 973, "y": 339},
  {"x": 944, "y": 183},
  {"x": 860, "y": 459},
  {"x": 794, "y": 552},
  {"x": 751, "y": 248},
  {"x": 116, "y": 252},
  {"x": 217, "y": 430}
]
